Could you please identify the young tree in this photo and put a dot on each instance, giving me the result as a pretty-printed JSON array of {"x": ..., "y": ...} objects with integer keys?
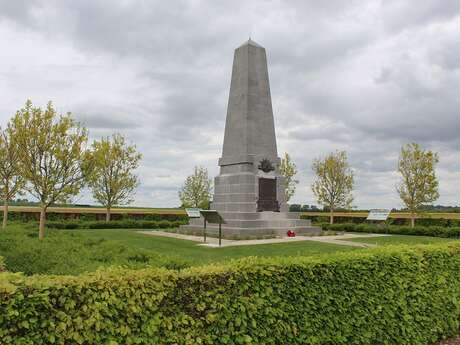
[
  {"x": 418, "y": 185},
  {"x": 51, "y": 155},
  {"x": 288, "y": 170},
  {"x": 197, "y": 189},
  {"x": 334, "y": 181},
  {"x": 112, "y": 179},
  {"x": 11, "y": 180}
]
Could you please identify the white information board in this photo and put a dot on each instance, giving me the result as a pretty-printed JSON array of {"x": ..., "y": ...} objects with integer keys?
[
  {"x": 193, "y": 212},
  {"x": 378, "y": 214}
]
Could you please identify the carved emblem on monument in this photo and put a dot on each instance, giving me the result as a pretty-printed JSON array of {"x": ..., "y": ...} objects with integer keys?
[{"x": 266, "y": 166}]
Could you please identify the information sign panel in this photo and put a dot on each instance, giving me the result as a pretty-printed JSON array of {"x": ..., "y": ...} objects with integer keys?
[
  {"x": 193, "y": 212},
  {"x": 378, "y": 214},
  {"x": 212, "y": 216}
]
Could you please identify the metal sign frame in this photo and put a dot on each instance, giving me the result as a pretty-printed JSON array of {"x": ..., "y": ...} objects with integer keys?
[{"x": 212, "y": 217}]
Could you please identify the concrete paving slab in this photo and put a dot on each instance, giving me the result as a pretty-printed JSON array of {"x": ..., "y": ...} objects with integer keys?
[{"x": 214, "y": 242}]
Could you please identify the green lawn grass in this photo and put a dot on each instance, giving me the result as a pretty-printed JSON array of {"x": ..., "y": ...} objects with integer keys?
[
  {"x": 401, "y": 239},
  {"x": 77, "y": 251},
  {"x": 198, "y": 255}
]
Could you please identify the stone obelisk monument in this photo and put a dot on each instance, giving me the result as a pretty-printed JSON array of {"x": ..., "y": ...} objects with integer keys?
[{"x": 249, "y": 191}]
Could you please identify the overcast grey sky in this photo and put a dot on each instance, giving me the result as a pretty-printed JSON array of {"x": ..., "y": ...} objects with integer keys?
[{"x": 360, "y": 76}]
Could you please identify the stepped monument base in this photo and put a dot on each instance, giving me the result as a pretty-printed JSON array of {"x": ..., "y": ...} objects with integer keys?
[{"x": 256, "y": 224}]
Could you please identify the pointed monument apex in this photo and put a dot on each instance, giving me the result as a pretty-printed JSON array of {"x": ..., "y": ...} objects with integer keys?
[{"x": 250, "y": 42}]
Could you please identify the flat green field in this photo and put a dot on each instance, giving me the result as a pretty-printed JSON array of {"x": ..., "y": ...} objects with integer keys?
[
  {"x": 198, "y": 255},
  {"x": 77, "y": 251},
  {"x": 401, "y": 239}
]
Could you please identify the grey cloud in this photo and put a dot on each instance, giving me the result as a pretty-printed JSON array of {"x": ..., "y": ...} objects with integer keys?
[
  {"x": 20, "y": 11},
  {"x": 364, "y": 77},
  {"x": 399, "y": 15},
  {"x": 113, "y": 119}
]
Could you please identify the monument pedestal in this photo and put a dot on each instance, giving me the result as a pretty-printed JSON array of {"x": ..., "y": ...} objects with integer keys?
[
  {"x": 257, "y": 223},
  {"x": 249, "y": 192}
]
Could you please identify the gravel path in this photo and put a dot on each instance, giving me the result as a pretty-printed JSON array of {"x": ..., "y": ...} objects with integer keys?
[{"x": 214, "y": 242}]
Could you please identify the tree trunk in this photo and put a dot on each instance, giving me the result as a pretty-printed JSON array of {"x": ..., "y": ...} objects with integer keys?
[
  {"x": 41, "y": 231},
  {"x": 107, "y": 215},
  {"x": 412, "y": 220},
  {"x": 5, "y": 213},
  {"x": 331, "y": 216}
]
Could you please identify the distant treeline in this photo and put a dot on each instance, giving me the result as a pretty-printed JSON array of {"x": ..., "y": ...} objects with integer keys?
[
  {"x": 441, "y": 208},
  {"x": 26, "y": 202},
  {"x": 292, "y": 207},
  {"x": 426, "y": 208}
]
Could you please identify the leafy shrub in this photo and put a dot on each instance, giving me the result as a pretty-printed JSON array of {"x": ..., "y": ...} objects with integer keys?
[
  {"x": 63, "y": 225},
  {"x": 434, "y": 231},
  {"x": 84, "y": 217},
  {"x": 295, "y": 208},
  {"x": 73, "y": 252},
  {"x": 305, "y": 208},
  {"x": 116, "y": 224},
  {"x": 163, "y": 224},
  {"x": 396, "y": 295},
  {"x": 391, "y": 221},
  {"x": 315, "y": 219}
]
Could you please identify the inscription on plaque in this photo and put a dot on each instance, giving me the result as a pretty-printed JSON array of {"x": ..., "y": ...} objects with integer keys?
[{"x": 267, "y": 195}]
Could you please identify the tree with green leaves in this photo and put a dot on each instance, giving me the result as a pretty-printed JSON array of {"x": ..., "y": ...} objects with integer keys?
[
  {"x": 334, "y": 181},
  {"x": 197, "y": 189},
  {"x": 288, "y": 169},
  {"x": 11, "y": 180},
  {"x": 112, "y": 164},
  {"x": 52, "y": 150},
  {"x": 419, "y": 184}
]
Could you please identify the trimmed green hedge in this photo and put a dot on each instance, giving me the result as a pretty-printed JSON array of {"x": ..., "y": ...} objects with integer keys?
[
  {"x": 117, "y": 224},
  {"x": 63, "y": 217},
  {"x": 395, "y": 295},
  {"x": 442, "y": 222},
  {"x": 434, "y": 231}
]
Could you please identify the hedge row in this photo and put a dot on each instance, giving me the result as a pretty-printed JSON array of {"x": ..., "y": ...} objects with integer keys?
[
  {"x": 53, "y": 216},
  {"x": 396, "y": 295},
  {"x": 434, "y": 231},
  {"x": 117, "y": 224},
  {"x": 390, "y": 221}
]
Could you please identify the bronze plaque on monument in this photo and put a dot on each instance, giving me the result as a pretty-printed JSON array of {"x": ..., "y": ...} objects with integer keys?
[{"x": 267, "y": 195}]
